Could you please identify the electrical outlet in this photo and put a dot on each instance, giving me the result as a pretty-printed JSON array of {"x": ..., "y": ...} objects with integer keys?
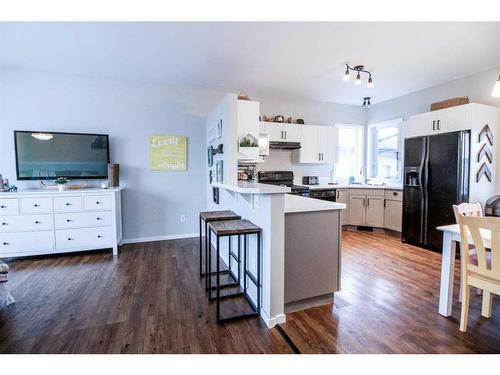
[{"x": 182, "y": 218}]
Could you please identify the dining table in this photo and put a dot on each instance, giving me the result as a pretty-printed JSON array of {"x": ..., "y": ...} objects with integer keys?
[{"x": 451, "y": 236}]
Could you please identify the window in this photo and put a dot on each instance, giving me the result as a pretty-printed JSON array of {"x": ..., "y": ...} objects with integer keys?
[
  {"x": 349, "y": 158},
  {"x": 384, "y": 150}
]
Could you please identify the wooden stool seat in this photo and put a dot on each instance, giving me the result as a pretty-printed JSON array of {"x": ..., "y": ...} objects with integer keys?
[
  {"x": 209, "y": 216},
  {"x": 234, "y": 227}
]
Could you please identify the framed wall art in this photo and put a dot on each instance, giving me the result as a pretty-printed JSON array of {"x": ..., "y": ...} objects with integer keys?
[{"x": 168, "y": 152}]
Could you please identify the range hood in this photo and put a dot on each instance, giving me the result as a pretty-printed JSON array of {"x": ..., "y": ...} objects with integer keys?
[{"x": 284, "y": 145}]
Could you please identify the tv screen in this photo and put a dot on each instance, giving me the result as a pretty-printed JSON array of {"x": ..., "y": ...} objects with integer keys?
[{"x": 46, "y": 156}]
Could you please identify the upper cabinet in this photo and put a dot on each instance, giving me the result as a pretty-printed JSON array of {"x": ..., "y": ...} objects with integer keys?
[
  {"x": 441, "y": 121},
  {"x": 248, "y": 118},
  {"x": 281, "y": 132},
  {"x": 317, "y": 145}
]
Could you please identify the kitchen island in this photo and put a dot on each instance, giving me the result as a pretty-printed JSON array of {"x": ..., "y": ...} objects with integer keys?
[{"x": 312, "y": 251}]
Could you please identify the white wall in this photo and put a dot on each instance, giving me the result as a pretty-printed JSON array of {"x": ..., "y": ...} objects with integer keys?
[{"x": 130, "y": 112}]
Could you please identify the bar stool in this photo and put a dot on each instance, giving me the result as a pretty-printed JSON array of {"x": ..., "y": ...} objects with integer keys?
[
  {"x": 238, "y": 228},
  {"x": 207, "y": 217}
]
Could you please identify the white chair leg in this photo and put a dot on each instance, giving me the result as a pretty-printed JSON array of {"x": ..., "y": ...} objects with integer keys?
[{"x": 486, "y": 306}]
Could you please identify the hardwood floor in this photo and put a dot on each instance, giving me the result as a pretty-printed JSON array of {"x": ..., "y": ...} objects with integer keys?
[
  {"x": 150, "y": 300},
  {"x": 388, "y": 303}
]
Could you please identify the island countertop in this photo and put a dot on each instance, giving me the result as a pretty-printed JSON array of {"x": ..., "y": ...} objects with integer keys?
[
  {"x": 246, "y": 187},
  {"x": 297, "y": 203}
]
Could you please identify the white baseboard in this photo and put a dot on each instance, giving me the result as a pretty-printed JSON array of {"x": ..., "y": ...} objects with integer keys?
[
  {"x": 159, "y": 238},
  {"x": 271, "y": 322}
]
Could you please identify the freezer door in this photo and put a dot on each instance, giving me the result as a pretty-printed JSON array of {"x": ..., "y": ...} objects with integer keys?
[
  {"x": 413, "y": 194},
  {"x": 446, "y": 182}
]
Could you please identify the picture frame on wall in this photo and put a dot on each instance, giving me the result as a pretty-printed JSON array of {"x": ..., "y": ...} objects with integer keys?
[
  {"x": 219, "y": 170},
  {"x": 219, "y": 128},
  {"x": 210, "y": 156}
]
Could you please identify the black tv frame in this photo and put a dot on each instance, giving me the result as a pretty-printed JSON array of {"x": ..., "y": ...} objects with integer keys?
[{"x": 52, "y": 178}]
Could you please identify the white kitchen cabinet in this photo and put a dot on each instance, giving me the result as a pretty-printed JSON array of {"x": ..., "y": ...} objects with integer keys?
[
  {"x": 441, "y": 121},
  {"x": 343, "y": 197},
  {"x": 317, "y": 145},
  {"x": 281, "y": 132},
  {"x": 248, "y": 118}
]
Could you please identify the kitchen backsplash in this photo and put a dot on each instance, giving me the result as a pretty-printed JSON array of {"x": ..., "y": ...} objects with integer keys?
[{"x": 281, "y": 160}]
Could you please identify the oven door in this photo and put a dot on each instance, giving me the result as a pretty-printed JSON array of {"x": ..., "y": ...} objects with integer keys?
[{"x": 324, "y": 194}]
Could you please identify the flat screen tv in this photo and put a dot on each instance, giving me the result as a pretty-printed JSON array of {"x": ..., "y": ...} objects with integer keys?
[{"x": 48, "y": 155}]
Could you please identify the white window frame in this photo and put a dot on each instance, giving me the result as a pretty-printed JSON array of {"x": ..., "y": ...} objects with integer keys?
[
  {"x": 397, "y": 122},
  {"x": 361, "y": 151}
]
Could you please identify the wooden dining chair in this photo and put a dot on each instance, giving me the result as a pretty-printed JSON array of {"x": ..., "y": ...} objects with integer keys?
[
  {"x": 484, "y": 275},
  {"x": 468, "y": 209}
]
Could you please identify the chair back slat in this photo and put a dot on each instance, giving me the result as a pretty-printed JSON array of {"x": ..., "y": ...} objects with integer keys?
[{"x": 478, "y": 227}]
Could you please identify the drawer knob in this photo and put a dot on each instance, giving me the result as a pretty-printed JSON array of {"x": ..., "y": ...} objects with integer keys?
[
  {"x": 37, "y": 222},
  {"x": 5, "y": 243},
  {"x": 99, "y": 236},
  {"x": 68, "y": 204},
  {"x": 97, "y": 202},
  {"x": 70, "y": 239},
  {"x": 99, "y": 218},
  {"x": 68, "y": 220},
  {"x": 395, "y": 193},
  {"x": 36, "y": 205},
  {"x": 4, "y": 223},
  {"x": 2, "y": 206}
]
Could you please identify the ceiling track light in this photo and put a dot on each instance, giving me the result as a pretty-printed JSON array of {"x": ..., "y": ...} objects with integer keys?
[
  {"x": 367, "y": 102},
  {"x": 359, "y": 69}
]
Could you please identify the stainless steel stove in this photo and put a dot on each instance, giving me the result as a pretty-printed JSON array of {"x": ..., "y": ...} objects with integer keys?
[{"x": 282, "y": 178}]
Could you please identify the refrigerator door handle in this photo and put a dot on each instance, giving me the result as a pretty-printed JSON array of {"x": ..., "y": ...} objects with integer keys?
[
  {"x": 426, "y": 187},
  {"x": 421, "y": 188}
]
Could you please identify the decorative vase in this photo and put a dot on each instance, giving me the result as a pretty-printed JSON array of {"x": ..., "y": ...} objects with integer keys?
[{"x": 61, "y": 187}]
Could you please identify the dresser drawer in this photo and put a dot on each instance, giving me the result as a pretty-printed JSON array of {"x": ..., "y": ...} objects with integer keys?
[
  {"x": 9, "y": 206},
  {"x": 68, "y": 204},
  {"x": 97, "y": 202},
  {"x": 395, "y": 195},
  {"x": 26, "y": 223},
  {"x": 84, "y": 239},
  {"x": 36, "y": 205},
  {"x": 83, "y": 219},
  {"x": 32, "y": 242}
]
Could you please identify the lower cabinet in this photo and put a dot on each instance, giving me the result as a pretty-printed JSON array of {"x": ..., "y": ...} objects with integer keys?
[
  {"x": 393, "y": 210},
  {"x": 366, "y": 207},
  {"x": 343, "y": 197}
]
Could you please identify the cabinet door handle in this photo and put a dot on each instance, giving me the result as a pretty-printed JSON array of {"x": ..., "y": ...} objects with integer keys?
[
  {"x": 285, "y": 134},
  {"x": 384, "y": 202},
  {"x": 434, "y": 125},
  {"x": 367, "y": 202},
  {"x": 439, "y": 125},
  {"x": 282, "y": 134}
]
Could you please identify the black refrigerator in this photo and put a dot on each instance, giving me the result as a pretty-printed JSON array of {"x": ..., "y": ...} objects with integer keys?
[{"x": 436, "y": 176}]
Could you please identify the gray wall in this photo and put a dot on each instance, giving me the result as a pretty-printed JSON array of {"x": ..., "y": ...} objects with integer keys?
[
  {"x": 477, "y": 87},
  {"x": 130, "y": 112}
]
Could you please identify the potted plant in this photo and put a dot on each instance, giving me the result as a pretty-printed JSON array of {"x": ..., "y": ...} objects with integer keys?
[
  {"x": 249, "y": 147},
  {"x": 61, "y": 183}
]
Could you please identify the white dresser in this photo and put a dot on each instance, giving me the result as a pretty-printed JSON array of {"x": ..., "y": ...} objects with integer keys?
[{"x": 35, "y": 222}]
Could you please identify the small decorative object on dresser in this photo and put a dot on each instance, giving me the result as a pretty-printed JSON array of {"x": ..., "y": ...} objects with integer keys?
[
  {"x": 279, "y": 118},
  {"x": 113, "y": 175},
  {"x": 243, "y": 96},
  {"x": 5, "y": 296},
  {"x": 61, "y": 183},
  {"x": 210, "y": 155},
  {"x": 289, "y": 120}
]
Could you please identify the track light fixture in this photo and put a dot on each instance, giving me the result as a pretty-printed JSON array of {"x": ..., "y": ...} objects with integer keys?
[
  {"x": 367, "y": 102},
  {"x": 359, "y": 69}
]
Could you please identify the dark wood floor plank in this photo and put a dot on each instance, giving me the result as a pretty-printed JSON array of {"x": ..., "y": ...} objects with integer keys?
[{"x": 150, "y": 299}]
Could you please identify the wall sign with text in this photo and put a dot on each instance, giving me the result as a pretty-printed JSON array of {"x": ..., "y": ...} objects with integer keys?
[{"x": 168, "y": 152}]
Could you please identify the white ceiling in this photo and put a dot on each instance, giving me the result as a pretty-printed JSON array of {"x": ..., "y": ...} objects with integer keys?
[{"x": 293, "y": 59}]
